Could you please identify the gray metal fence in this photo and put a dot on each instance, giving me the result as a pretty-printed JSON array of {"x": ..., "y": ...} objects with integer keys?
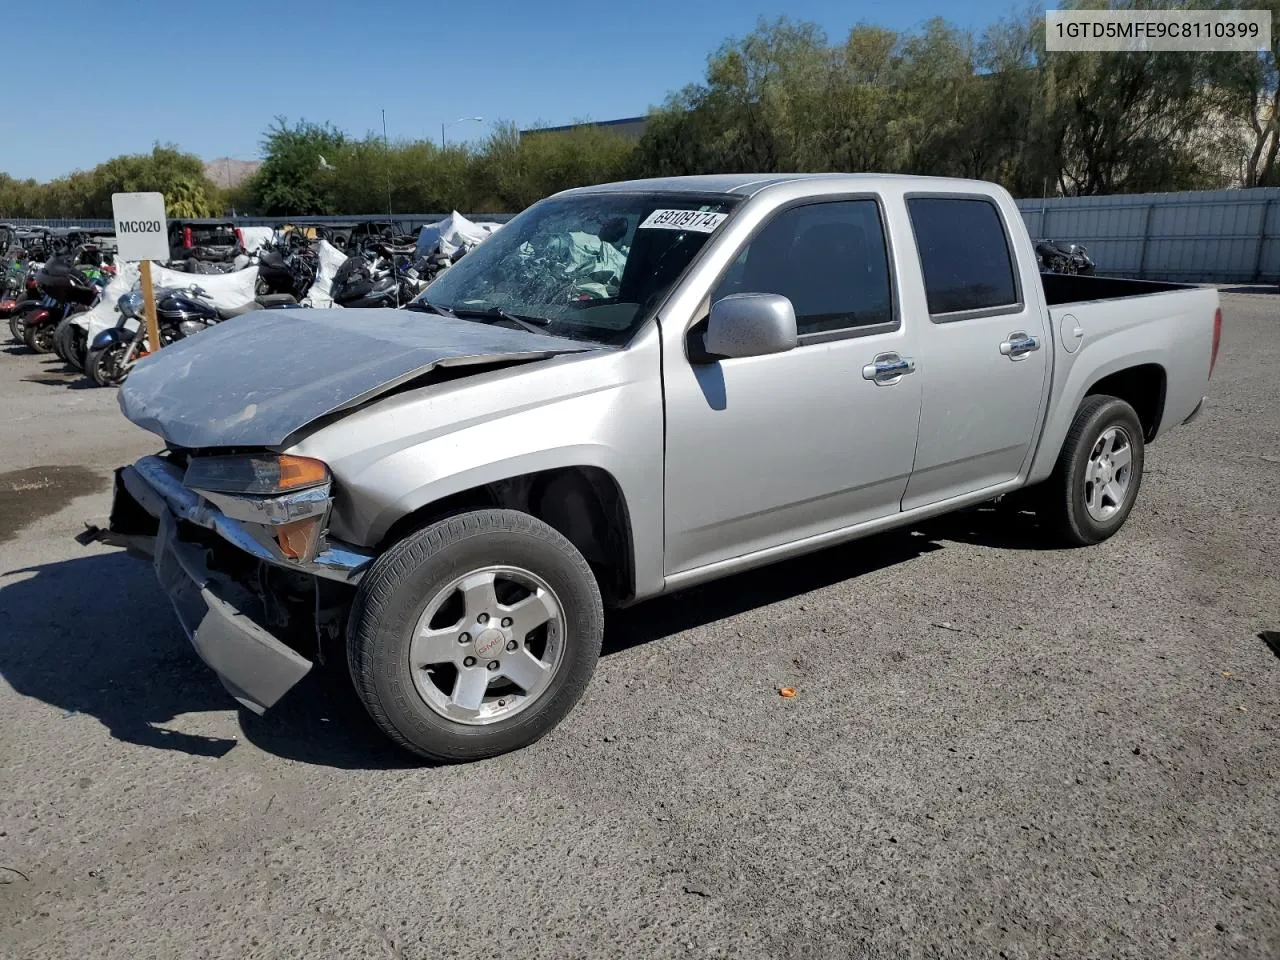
[
  {"x": 408, "y": 222},
  {"x": 1217, "y": 236},
  {"x": 1214, "y": 236}
]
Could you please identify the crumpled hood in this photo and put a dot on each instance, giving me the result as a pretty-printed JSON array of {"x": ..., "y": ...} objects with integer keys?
[{"x": 256, "y": 379}]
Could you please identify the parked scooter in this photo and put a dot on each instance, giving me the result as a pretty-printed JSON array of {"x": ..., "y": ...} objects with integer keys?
[{"x": 1069, "y": 258}]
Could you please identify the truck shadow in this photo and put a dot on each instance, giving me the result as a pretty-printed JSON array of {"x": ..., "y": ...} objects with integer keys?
[
  {"x": 994, "y": 527},
  {"x": 95, "y": 637}
]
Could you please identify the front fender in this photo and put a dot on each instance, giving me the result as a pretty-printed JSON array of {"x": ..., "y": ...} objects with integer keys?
[
  {"x": 407, "y": 451},
  {"x": 109, "y": 338}
]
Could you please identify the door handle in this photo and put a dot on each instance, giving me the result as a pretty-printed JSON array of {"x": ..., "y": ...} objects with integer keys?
[
  {"x": 887, "y": 369},
  {"x": 1019, "y": 345}
]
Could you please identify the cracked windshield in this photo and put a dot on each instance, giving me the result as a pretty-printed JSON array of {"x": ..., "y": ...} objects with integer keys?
[{"x": 587, "y": 267}]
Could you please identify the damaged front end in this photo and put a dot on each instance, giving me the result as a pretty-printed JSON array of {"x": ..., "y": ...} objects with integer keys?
[{"x": 241, "y": 546}]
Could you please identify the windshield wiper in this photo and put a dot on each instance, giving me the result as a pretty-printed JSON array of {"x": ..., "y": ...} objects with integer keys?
[
  {"x": 426, "y": 306},
  {"x": 524, "y": 321}
]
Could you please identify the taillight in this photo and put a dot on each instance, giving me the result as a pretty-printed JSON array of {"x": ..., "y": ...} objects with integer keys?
[
  {"x": 1217, "y": 339},
  {"x": 239, "y": 237},
  {"x": 187, "y": 243}
]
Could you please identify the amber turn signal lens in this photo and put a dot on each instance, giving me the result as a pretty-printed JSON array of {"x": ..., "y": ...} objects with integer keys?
[
  {"x": 300, "y": 472},
  {"x": 298, "y": 539}
]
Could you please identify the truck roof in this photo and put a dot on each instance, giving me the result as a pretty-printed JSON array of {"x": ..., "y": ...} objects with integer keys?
[{"x": 748, "y": 184}]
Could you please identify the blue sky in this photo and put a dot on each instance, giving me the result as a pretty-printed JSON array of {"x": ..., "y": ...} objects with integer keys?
[{"x": 123, "y": 75}]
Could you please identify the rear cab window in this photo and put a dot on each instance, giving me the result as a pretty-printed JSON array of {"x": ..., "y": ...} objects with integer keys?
[{"x": 965, "y": 257}]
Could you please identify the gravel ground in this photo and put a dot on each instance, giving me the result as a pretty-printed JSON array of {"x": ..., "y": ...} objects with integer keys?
[{"x": 995, "y": 750}]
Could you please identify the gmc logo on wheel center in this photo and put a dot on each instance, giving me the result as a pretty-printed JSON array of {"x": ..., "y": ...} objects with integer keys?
[{"x": 139, "y": 226}]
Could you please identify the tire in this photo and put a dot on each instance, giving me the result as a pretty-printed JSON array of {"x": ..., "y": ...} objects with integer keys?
[
  {"x": 58, "y": 339},
  {"x": 38, "y": 338},
  {"x": 409, "y": 580},
  {"x": 79, "y": 348},
  {"x": 1075, "y": 487},
  {"x": 16, "y": 327},
  {"x": 103, "y": 365},
  {"x": 65, "y": 337}
]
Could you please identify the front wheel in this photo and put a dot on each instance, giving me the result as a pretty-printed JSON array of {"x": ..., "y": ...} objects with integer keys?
[
  {"x": 16, "y": 327},
  {"x": 38, "y": 338},
  {"x": 105, "y": 365},
  {"x": 69, "y": 343},
  {"x": 1095, "y": 483},
  {"x": 475, "y": 636}
]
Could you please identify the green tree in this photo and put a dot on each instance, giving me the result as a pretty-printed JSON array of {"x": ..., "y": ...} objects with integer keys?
[
  {"x": 1246, "y": 99},
  {"x": 292, "y": 180},
  {"x": 514, "y": 171}
]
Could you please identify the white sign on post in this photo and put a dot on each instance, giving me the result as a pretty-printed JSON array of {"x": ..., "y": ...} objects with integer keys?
[{"x": 142, "y": 231}]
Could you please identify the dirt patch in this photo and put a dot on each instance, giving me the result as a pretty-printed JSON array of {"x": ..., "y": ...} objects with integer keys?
[{"x": 33, "y": 493}]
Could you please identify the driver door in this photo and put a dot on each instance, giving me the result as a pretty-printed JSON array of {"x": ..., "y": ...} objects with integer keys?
[{"x": 764, "y": 451}]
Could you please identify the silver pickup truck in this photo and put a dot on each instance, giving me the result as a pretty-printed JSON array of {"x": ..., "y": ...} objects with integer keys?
[{"x": 629, "y": 389}]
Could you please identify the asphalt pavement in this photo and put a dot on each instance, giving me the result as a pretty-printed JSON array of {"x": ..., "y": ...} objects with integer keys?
[{"x": 995, "y": 749}]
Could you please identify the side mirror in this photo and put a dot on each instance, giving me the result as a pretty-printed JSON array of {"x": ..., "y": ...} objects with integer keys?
[{"x": 750, "y": 325}]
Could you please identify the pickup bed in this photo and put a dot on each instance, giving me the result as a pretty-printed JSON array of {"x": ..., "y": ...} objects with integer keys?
[{"x": 630, "y": 389}]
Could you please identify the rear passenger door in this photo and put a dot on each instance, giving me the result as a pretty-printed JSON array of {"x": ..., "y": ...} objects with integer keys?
[{"x": 984, "y": 356}]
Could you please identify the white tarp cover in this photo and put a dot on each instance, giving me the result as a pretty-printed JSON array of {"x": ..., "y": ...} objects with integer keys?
[
  {"x": 452, "y": 233},
  {"x": 331, "y": 258},
  {"x": 255, "y": 237},
  {"x": 225, "y": 290},
  {"x": 104, "y": 316}
]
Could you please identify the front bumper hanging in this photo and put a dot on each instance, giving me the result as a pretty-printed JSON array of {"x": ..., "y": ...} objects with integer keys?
[{"x": 255, "y": 666}]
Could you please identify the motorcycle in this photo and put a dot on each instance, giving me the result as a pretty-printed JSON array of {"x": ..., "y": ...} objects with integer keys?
[
  {"x": 180, "y": 313},
  {"x": 13, "y": 272},
  {"x": 20, "y": 296},
  {"x": 64, "y": 285},
  {"x": 1068, "y": 258},
  {"x": 288, "y": 266},
  {"x": 380, "y": 282}
]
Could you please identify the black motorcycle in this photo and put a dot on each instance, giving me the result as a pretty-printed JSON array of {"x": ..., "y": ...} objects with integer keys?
[
  {"x": 1069, "y": 258},
  {"x": 378, "y": 282},
  {"x": 66, "y": 287},
  {"x": 289, "y": 266},
  {"x": 180, "y": 313}
]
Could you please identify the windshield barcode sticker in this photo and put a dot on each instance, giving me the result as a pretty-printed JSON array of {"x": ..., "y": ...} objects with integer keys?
[{"x": 697, "y": 220}]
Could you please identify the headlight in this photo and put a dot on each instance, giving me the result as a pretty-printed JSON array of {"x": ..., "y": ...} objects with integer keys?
[
  {"x": 130, "y": 304},
  {"x": 255, "y": 474}
]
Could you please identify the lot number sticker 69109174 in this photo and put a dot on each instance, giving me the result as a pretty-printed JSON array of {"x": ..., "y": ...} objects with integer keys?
[{"x": 699, "y": 221}]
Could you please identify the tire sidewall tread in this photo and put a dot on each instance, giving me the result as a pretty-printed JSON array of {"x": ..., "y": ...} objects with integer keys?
[
  {"x": 1065, "y": 494},
  {"x": 396, "y": 589}
]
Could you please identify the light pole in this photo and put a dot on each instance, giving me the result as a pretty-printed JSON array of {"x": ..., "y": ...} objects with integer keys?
[{"x": 443, "y": 126}]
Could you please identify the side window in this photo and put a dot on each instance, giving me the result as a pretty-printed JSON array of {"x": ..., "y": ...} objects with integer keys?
[
  {"x": 828, "y": 259},
  {"x": 964, "y": 254}
]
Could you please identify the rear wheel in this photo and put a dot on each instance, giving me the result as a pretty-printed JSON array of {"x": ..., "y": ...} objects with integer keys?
[
  {"x": 1095, "y": 483},
  {"x": 475, "y": 636}
]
